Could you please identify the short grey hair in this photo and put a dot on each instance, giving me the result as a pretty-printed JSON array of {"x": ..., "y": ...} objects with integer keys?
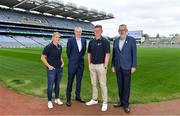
[
  {"x": 123, "y": 25},
  {"x": 78, "y": 28},
  {"x": 56, "y": 34}
]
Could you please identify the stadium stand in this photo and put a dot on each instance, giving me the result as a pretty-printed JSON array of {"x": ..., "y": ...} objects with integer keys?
[
  {"x": 26, "y": 41},
  {"x": 30, "y": 23},
  {"x": 9, "y": 42},
  {"x": 162, "y": 42},
  {"x": 175, "y": 40},
  {"x": 39, "y": 40}
]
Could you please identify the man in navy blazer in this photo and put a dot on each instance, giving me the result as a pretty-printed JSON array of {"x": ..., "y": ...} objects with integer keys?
[
  {"x": 124, "y": 62},
  {"x": 76, "y": 48}
]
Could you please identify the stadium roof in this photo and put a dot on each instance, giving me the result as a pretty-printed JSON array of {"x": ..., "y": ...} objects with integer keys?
[{"x": 58, "y": 8}]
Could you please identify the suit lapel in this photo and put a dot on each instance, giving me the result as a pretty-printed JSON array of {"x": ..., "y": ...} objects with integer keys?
[
  {"x": 76, "y": 46},
  {"x": 82, "y": 43},
  {"x": 125, "y": 43},
  {"x": 117, "y": 44}
]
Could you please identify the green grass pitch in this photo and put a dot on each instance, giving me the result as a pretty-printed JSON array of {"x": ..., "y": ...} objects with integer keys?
[{"x": 157, "y": 77}]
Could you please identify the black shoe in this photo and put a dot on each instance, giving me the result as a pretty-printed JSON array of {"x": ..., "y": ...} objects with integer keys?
[
  {"x": 127, "y": 110},
  {"x": 68, "y": 104},
  {"x": 80, "y": 100},
  {"x": 118, "y": 105}
]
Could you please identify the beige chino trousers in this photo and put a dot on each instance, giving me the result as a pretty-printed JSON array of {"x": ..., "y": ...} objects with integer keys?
[{"x": 98, "y": 73}]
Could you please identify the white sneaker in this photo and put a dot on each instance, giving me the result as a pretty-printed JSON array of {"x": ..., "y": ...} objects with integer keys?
[
  {"x": 92, "y": 102},
  {"x": 58, "y": 101},
  {"x": 50, "y": 105},
  {"x": 104, "y": 107}
]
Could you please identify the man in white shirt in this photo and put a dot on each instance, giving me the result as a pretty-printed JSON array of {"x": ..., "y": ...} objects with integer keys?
[
  {"x": 79, "y": 43},
  {"x": 76, "y": 48}
]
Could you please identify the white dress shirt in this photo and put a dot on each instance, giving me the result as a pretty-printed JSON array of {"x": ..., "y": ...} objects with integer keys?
[{"x": 79, "y": 43}]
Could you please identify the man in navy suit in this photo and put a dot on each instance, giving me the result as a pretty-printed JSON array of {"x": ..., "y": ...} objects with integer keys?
[
  {"x": 76, "y": 48},
  {"x": 124, "y": 62}
]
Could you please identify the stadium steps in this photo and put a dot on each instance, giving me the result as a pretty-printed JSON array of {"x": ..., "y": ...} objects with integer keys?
[
  {"x": 18, "y": 41},
  {"x": 37, "y": 42}
]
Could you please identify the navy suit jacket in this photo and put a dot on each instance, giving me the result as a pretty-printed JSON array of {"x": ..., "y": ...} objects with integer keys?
[
  {"x": 127, "y": 57},
  {"x": 75, "y": 57}
]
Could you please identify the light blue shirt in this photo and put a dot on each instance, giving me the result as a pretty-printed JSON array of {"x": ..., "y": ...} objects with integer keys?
[{"x": 121, "y": 43}]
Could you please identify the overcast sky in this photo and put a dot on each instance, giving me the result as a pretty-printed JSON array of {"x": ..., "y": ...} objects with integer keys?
[{"x": 151, "y": 16}]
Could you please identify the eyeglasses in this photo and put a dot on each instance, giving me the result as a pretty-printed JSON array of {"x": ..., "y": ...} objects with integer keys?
[{"x": 123, "y": 30}]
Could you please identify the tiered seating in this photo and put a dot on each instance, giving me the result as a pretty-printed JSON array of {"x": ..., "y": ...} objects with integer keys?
[
  {"x": 27, "y": 41},
  {"x": 48, "y": 40},
  {"x": 9, "y": 42},
  {"x": 63, "y": 42},
  {"x": 40, "y": 40},
  {"x": 25, "y": 36},
  {"x": 23, "y": 17},
  {"x": 87, "y": 41}
]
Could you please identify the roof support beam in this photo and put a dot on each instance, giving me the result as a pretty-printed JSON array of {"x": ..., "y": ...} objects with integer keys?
[
  {"x": 19, "y": 3},
  {"x": 39, "y": 6},
  {"x": 56, "y": 8},
  {"x": 53, "y": 9}
]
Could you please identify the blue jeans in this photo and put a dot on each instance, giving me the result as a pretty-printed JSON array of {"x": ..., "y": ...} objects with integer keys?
[{"x": 54, "y": 77}]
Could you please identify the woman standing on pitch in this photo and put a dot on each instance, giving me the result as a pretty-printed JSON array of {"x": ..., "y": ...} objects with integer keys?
[{"x": 52, "y": 58}]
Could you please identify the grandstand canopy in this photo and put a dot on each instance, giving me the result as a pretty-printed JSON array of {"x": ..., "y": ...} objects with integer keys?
[{"x": 58, "y": 8}]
